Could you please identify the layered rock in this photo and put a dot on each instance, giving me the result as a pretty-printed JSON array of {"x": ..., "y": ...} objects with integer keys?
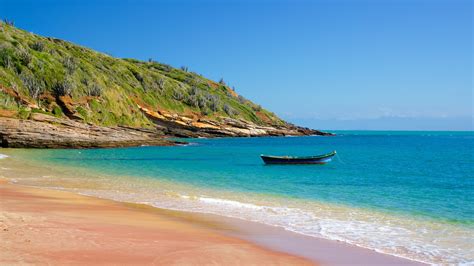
[
  {"x": 44, "y": 131},
  {"x": 183, "y": 126}
]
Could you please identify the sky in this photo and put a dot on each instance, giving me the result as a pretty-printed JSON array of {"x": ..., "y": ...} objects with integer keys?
[{"x": 340, "y": 64}]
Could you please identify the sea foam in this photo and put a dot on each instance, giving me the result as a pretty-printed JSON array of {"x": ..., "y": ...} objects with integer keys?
[{"x": 3, "y": 156}]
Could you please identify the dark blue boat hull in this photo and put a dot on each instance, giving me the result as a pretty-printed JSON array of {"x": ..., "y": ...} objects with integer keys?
[{"x": 298, "y": 160}]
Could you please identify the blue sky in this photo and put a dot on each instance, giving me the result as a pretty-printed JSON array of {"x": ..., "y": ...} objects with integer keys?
[{"x": 354, "y": 64}]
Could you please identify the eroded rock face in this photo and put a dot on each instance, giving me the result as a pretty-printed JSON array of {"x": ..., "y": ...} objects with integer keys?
[
  {"x": 182, "y": 126},
  {"x": 44, "y": 131}
]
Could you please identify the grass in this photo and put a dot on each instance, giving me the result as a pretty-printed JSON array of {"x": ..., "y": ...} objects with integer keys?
[{"x": 104, "y": 89}]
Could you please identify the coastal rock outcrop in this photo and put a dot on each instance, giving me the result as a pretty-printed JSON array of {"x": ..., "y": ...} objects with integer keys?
[
  {"x": 183, "y": 126},
  {"x": 44, "y": 131}
]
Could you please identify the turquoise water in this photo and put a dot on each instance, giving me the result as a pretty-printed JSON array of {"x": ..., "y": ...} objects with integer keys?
[{"x": 405, "y": 193}]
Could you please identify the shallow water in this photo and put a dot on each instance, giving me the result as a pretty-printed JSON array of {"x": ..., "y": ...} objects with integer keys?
[{"x": 408, "y": 194}]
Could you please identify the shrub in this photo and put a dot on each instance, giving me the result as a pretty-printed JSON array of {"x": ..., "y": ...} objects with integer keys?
[
  {"x": 34, "y": 87},
  {"x": 149, "y": 84},
  {"x": 229, "y": 110},
  {"x": 190, "y": 80},
  {"x": 7, "y": 102},
  {"x": 242, "y": 99},
  {"x": 192, "y": 100},
  {"x": 38, "y": 46},
  {"x": 82, "y": 112},
  {"x": 166, "y": 68},
  {"x": 213, "y": 102},
  {"x": 94, "y": 90},
  {"x": 194, "y": 90},
  {"x": 66, "y": 87},
  {"x": 5, "y": 57},
  {"x": 202, "y": 102},
  {"x": 70, "y": 64},
  {"x": 57, "y": 111},
  {"x": 137, "y": 76},
  {"x": 178, "y": 95},
  {"x": 9, "y": 22},
  {"x": 196, "y": 98},
  {"x": 257, "y": 108},
  {"x": 85, "y": 81},
  {"x": 23, "y": 113},
  {"x": 24, "y": 56},
  {"x": 161, "y": 83}
]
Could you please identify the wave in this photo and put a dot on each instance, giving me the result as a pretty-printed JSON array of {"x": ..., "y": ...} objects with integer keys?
[
  {"x": 402, "y": 237},
  {"x": 189, "y": 144},
  {"x": 232, "y": 203},
  {"x": 398, "y": 236},
  {"x": 3, "y": 156}
]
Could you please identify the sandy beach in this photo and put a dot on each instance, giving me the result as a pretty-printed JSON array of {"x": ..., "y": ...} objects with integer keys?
[
  {"x": 332, "y": 133},
  {"x": 44, "y": 226},
  {"x": 40, "y": 226}
]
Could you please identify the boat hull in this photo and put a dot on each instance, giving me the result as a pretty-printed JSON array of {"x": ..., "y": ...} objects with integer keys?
[{"x": 323, "y": 159}]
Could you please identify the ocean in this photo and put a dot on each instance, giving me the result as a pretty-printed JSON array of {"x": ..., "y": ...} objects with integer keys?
[{"x": 409, "y": 194}]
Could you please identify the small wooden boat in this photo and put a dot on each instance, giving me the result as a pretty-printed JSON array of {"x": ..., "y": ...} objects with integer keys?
[{"x": 318, "y": 159}]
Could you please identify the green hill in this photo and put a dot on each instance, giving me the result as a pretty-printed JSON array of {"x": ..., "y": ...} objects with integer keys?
[{"x": 49, "y": 75}]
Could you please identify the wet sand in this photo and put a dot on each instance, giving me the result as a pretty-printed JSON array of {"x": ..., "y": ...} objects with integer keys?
[
  {"x": 324, "y": 251},
  {"x": 39, "y": 226}
]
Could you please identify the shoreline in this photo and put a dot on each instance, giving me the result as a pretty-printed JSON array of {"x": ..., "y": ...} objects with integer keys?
[
  {"x": 321, "y": 250},
  {"x": 49, "y": 226},
  {"x": 291, "y": 247}
]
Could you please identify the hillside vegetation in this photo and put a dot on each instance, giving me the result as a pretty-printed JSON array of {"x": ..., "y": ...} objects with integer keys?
[{"x": 49, "y": 75}]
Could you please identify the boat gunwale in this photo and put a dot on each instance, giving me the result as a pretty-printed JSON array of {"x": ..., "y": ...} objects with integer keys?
[{"x": 300, "y": 158}]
